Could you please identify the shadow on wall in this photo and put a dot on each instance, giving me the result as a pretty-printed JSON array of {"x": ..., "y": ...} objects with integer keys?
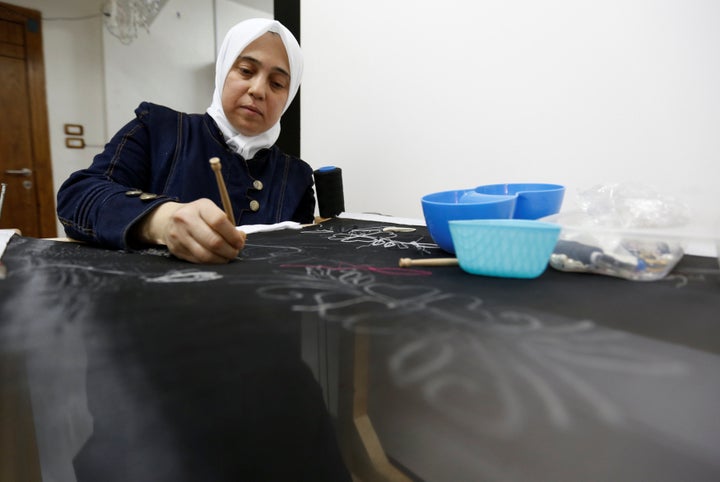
[{"x": 203, "y": 78}]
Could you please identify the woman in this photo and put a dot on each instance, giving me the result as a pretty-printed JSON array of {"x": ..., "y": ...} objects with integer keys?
[{"x": 153, "y": 183}]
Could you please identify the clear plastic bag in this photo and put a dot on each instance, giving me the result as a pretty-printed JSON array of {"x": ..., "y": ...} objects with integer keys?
[
  {"x": 621, "y": 230},
  {"x": 632, "y": 206}
]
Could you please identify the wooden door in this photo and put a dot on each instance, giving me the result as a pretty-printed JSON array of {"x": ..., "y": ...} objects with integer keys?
[{"x": 25, "y": 165}]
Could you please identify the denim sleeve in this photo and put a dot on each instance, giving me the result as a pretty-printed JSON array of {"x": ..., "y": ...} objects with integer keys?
[
  {"x": 305, "y": 213},
  {"x": 100, "y": 204}
]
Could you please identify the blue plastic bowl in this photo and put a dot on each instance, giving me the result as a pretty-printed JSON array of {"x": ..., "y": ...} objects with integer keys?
[
  {"x": 508, "y": 248},
  {"x": 534, "y": 200},
  {"x": 441, "y": 207},
  {"x": 491, "y": 201}
]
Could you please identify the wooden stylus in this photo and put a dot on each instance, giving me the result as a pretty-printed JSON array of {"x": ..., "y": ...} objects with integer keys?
[
  {"x": 408, "y": 262},
  {"x": 217, "y": 167}
]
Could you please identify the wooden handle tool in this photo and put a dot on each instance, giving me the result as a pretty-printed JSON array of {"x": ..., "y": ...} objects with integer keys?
[
  {"x": 227, "y": 206},
  {"x": 408, "y": 262}
]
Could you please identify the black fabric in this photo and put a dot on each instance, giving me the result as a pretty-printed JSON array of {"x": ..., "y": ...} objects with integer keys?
[{"x": 194, "y": 372}]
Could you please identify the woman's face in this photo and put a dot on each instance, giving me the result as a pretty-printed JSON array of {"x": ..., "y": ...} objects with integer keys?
[{"x": 257, "y": 86}]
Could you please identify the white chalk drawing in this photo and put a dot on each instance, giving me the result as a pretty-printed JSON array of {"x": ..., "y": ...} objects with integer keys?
[
  {"x": 376, "y": 237},
  {"x": 183, "y": 276},
  {"x": 69, "y": 274},
  {"x": 264, "y": 252},
  {"x": 89, "y": 269},
  {"x": 161, "y": 252},
  {"x": 458, "y": 353},
  {"x": 453, "y": 349},
  {"x": 682, "y": 279}
]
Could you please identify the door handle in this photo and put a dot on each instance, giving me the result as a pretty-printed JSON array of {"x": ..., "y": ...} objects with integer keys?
[{"x": 19, "y": 172}]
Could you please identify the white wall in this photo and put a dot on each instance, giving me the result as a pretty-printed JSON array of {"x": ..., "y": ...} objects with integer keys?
[
  {"x": 411, "y": 97},
  {"x": 415, "y": 96},
  {"x": 94, "y": 80},
  {"x": 230, "y": 12},
  {"x": 73, "y": 73},
  {"x": 174, "y": 63},
  {"x": 171, "y": 64}
]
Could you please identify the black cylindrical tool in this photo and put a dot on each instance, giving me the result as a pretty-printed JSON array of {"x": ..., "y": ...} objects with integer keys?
[{"x": 329, "y": 188}]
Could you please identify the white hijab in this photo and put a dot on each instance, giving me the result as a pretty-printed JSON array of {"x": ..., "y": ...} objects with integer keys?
[{"x": 237, "y": 38}]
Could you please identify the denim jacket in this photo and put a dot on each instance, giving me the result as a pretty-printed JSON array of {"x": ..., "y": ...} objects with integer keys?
[{"x": 162, "y": 155}]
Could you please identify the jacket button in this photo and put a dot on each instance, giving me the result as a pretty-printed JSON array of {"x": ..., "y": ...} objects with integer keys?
[
  {"x": 147, "y": 196},
  {"x": 133, "y": 192},
  {"x": 258, "y": 185},
  {"x": 254, "y": 205}
]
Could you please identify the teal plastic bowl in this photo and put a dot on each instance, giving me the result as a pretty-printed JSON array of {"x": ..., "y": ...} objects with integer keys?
[{"x": 507, "y": 248}]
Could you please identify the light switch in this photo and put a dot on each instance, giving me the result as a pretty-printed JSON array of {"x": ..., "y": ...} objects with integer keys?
[
  {"x": 74, "y": 143},
  {"x": 73, "y": 129}
]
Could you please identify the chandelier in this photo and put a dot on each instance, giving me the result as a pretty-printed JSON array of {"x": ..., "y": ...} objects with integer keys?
[{"x": 124, "y": 17}]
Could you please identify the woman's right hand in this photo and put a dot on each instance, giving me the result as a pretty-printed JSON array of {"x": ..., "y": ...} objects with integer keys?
[{"x": 199, "y": 232}]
